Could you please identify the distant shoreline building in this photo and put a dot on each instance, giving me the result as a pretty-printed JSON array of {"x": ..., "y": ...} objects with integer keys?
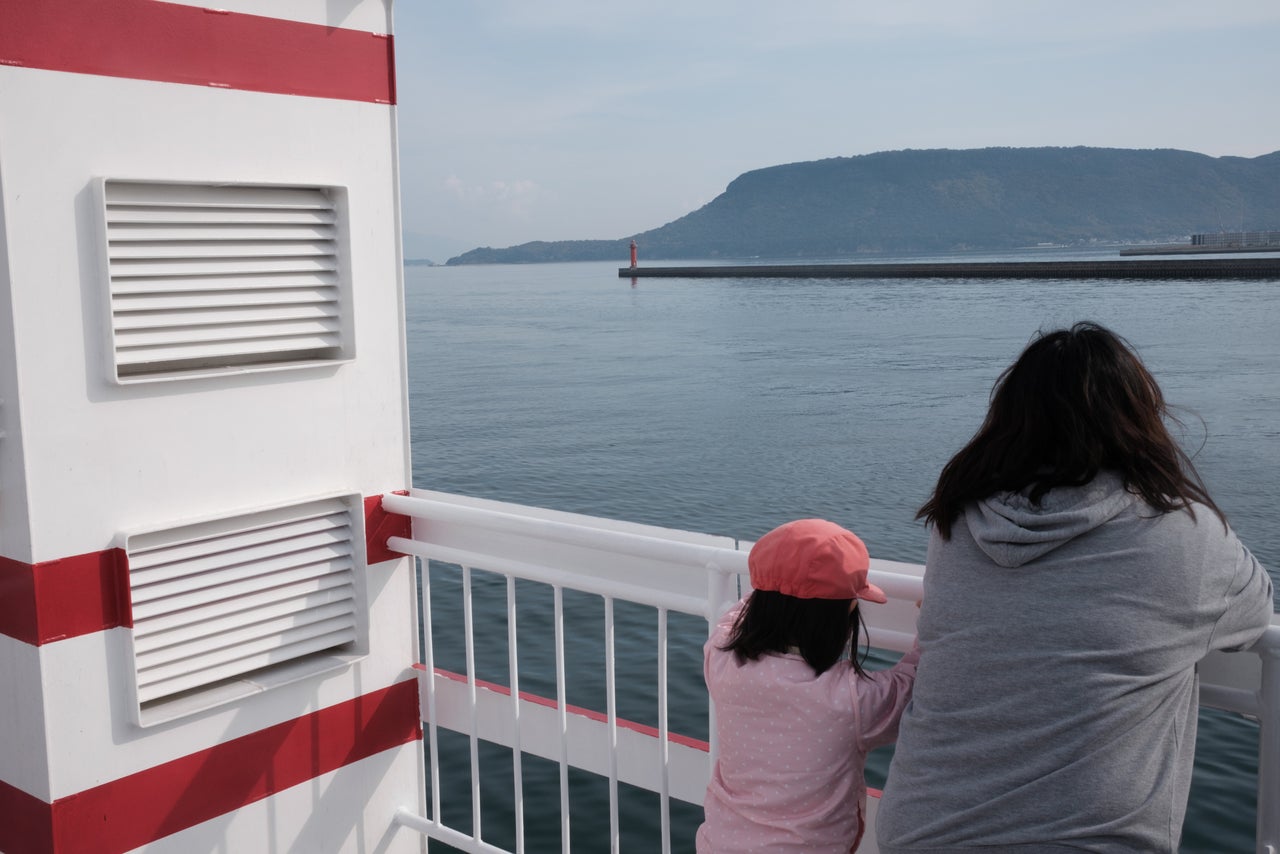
[{"x": 1233, "y": 239}]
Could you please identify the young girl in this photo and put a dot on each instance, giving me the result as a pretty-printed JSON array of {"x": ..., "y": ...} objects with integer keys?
[{"x": 794, "y": 717}]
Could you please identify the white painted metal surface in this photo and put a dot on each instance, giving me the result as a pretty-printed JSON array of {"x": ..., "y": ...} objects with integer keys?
[
  {"x": 86, "y": 707},
  {"x": 311, "y": 819},
  {"x": 665, "y": 569},
  {"x": 216, "y": 279},
  {"x": 113, "y": 457},
  {"x": 86, "y": 462},
  {"x": 220, "y": 600}
]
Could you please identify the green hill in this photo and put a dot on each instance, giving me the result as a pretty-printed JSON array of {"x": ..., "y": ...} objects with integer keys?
[{"x": 989, "y": 198}]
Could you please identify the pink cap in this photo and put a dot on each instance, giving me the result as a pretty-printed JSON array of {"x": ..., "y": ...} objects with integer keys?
[{"x": 813, "y": 559}]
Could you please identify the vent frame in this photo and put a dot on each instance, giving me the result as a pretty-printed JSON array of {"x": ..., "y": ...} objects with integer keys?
[
  {"x": 229, "y": 607},
  {"x": 213, "y": 278}
]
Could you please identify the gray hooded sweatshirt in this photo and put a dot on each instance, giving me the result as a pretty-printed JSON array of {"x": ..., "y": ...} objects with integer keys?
[{"x": 1056, "y": 697}]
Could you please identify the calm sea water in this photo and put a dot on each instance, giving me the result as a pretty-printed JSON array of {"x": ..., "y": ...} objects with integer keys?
[{"x": 730, "y": 406}]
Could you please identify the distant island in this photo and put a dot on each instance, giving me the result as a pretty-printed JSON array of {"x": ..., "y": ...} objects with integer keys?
[{"x": 943, "y": 199}]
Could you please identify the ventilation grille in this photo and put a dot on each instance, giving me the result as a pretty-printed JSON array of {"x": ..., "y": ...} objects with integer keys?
[
  {"x": 205, "y": 278},
  {"x": 217, "y": 601}
]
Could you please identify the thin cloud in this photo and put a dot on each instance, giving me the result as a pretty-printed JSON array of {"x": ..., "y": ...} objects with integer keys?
[{"x": 515, "y": 198}]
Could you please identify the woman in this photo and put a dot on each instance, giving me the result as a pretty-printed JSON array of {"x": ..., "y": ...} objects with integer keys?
[{"x": 1077, "y": 572}]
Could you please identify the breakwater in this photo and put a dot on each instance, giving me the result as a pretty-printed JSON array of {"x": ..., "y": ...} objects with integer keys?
[
  {"x": 1162, "y": 268},
  {"x": 1197, "y": 249}
]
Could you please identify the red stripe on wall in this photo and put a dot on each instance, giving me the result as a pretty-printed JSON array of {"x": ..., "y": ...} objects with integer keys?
[
  {"x": 643, "y": 729},
  {"x": 26, "y": 822},
  {"x": 143, "y": 807},
  {"x": 57, "y": 599},
  {"x": 170, "y": 43}
]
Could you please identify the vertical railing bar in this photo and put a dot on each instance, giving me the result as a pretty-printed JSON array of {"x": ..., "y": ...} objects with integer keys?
[
  {"x": 514, "y": 675},
  {"x": 611, "y": 710},
  {"x": 664, "y": 793},
  {"x": 562, "y": 707},
  {"x": 469, "y": 640},
  {"x": 1268, "y": 805},
  {"x": 429, "y": 661},
  {"x": 718, "y": 594}
]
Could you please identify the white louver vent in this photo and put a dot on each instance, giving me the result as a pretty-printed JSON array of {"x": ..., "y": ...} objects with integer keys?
[
  {"x": 216, "y": 278},
  {"x": 219, "y": 600}
]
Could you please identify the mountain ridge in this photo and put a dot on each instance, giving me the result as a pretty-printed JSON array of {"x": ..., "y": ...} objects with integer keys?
[{"x": 950, "y": 199}]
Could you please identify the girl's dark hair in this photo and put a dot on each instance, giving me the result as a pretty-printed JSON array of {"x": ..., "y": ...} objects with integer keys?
[
  {"x": 1076, "y": 401},
  {"x": 775, "y": 622}
]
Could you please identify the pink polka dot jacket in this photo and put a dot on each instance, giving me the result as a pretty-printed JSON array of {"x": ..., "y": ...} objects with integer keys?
[{"x": 792, "y": 744}]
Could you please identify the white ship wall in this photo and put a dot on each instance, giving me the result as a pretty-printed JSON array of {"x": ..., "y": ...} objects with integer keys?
[
  {"x": 117, "y": 458},
  {"x": 85, "y": 461}
]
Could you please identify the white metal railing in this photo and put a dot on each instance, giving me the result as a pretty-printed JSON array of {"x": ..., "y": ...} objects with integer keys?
[{"x": 670, "y": 571}]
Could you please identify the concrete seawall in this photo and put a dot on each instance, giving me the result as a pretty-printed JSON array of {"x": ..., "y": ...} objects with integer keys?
[
  {"x": 1182, "y": 249},
  {"x": 1180, "y": 268}
]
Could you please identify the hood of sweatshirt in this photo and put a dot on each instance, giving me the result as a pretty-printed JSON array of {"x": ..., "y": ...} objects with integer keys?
[{"x": 1012, "y": 531}]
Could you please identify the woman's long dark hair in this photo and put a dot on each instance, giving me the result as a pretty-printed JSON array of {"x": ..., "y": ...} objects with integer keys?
[
  {"x": 1076, "y": 401},
  {"x": 775, "y": 622}
]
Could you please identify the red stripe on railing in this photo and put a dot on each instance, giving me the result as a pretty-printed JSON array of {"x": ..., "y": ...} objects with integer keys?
[
  {"x": 57, "y": 599},
  {"x": 643, "y": 729},
  {"x": 130, "y": 812},
  {"x": 171, "y": 43}
]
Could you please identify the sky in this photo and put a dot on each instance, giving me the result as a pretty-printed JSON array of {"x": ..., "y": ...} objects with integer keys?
[{"x": 525, "y": 120}]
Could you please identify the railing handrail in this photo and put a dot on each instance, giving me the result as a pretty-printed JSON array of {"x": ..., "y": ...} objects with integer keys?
[
  {"x": 896, "y": 585},
  {"x": 449, "y": 533},
  {"x": 568, "y": 533}
]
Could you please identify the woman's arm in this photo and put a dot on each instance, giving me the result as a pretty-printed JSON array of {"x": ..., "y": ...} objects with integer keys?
[{"x": 1248, "y": 603}]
